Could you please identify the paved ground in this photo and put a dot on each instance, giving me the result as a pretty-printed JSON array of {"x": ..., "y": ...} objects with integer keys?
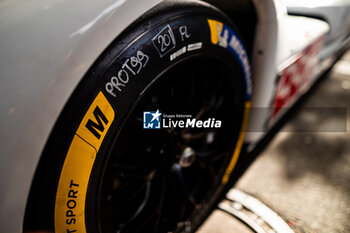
[{"x": 305, "y": 177}]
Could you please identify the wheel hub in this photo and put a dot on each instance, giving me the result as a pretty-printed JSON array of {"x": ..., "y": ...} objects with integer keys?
[{"x": 187, "y": 157}]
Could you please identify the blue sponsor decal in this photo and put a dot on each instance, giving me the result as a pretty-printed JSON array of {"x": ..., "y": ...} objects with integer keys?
[{"x": 225, "y": 37}]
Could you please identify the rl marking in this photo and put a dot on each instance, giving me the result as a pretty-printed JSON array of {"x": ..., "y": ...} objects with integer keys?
[
  {"x": 164, "y": 41},
  {"x": 184, "y": 33}
]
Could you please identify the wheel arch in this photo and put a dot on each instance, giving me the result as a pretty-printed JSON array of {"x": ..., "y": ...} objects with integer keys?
[{"x": 63, "y": 54}]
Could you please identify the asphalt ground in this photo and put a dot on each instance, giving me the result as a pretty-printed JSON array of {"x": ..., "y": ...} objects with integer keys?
[{"x": 304, "y": 177}]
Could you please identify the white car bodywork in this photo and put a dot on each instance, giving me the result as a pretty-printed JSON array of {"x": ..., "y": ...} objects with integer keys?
[
  {"x": 43, "y": 58},
  {"x": 334, "y": 12},
  {"x": 46, "y": 47},
  {"x": 279, "y": 37}
]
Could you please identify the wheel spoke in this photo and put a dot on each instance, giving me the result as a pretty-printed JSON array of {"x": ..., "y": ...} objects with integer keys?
[
  {"x": 178, "y": 171},
  {"x": 142, "y": 205}
]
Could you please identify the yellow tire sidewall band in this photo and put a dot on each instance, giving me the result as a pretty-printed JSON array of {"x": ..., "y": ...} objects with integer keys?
[
  {"x": 216, "y": 29},
  {"x": 239, "y": 144},
  {"x": 77, "y": 167}
]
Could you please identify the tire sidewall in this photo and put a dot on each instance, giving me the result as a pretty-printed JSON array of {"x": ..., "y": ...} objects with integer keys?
[{"x": 139, "y": 38}]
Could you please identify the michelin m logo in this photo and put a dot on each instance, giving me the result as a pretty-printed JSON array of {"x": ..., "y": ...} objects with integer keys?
[{"x": 151, "y": 120}]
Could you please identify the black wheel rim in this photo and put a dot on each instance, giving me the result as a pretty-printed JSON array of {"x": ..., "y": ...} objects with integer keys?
[{"x": 144, "y": 187}]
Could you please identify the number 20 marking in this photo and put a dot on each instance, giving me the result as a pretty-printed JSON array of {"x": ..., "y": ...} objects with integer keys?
[{"x": 164, "y": 41}]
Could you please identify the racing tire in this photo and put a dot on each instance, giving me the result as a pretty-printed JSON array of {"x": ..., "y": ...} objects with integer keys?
[{"x": 103, "y": 170}]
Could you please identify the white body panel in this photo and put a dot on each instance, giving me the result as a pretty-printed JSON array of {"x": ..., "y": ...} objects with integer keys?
[
  {"x": 279, "y": 36},
  {"x": 335, "y": 12},
  {"x": 46, "y": 55}
]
